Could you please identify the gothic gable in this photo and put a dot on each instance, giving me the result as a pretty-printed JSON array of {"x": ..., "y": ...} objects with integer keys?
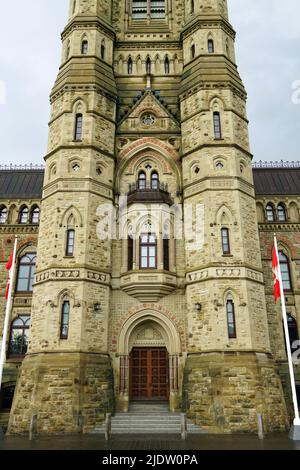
[{"x": 149, "y": 115}]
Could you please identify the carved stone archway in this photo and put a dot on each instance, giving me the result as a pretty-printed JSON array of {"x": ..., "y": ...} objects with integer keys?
[{"x": 147, "y": 329}]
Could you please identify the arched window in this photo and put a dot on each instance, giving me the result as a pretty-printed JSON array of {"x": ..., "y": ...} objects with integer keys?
[
  {"x": 193, "y": 51},
  {"x": 142, "y": 180},
  {"x": 3, "y": 215},
  {"x": 26, "y": 273},
  {"x": 270, "y": 213},
  {"x": 129, "y": 66},
  {"x": 70, "y": 243},
  {"x": 231, "y": 319},
  {"x": 167, "y": 66},
  {"x": 281, "y": 212},
  {"x": 35, "y": 215},
  {"x": 148, "y": 251},
  {"x": 84, "y": 47},
  {"x": 225, "y": 241},
  {"x": 102, "y": 50},
  {"x": 130, "y": 253},
  {"x": 148, "y": 65},
  {"x": 19, "y": 336},
  {"x": 217, "y": 125},
  {"x": 285, "y": 271},
  {"x": 65, "y": 320},
  {"x": 210, "y": 46},
  {"x": 154, "y": 180},
  {"x": 24, "y": 215},
  {"x": 293, "y": 333},
  {"x": 78, "y": 127}
]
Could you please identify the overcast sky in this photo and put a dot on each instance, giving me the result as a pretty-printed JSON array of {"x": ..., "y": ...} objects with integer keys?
[{"x": 268, "y": 56}]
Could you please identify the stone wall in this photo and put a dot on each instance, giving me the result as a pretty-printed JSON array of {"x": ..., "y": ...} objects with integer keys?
[{"x": 224, "y": 392}]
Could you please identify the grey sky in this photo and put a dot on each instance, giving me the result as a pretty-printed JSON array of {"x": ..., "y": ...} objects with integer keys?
[{"x": 268, "y": 56}]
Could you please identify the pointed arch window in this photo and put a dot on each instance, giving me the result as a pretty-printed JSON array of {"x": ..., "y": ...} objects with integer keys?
[
  {"x": 193, "y": 51},
  {"x": 65, "y": 320},
  {"x": 26, "y": 273},
  {"x": 285, "y": 271},
  {"x": 148, "y": 65},
  {"x": 270, "y": 213},
  {"x": 225, "y": 241},
  {"x": 217, "y": 125},
  {"x": 129, "y": 66},
  {"x": 35, "y": 215},
  {"x": 19, "y": 336},
  {"x": 102, "y": 50},
  {"x": 293, "y": 332},
  {"x": 84, "y": 47},
  {"x": 142, "y": 180},
  {"x": 154, "y": 180},
  {"x": 281, "y": 212},
  {"x": 148, "y": 251},
  {"x": 211, "y": 46},
  {"x": 3, "y": 214},
  {"x": 70, "y": 243},
  {"x": 192, "y": 7},
  {"x": 24, "y": 215},
  {"x": 167, "y": 66},
  {"x": 230, "y": 309},
  {"x": 78, "y": 127}
]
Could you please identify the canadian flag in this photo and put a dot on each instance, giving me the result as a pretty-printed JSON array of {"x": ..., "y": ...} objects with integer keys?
[
  {"x": 9, "y": 269},
  {"x": 276, "y": 272}
]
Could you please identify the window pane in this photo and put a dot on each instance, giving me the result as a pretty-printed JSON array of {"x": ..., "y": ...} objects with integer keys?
[
  {"x": 152, "y": 263},
  {"x": 144, "y": 263}
]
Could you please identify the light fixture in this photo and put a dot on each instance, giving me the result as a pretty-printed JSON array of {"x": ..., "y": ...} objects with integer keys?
[{"x": 198, "y": 306}]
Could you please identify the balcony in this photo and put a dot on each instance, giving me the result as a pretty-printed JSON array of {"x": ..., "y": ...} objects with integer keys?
[{"x": 144, "y": 192}]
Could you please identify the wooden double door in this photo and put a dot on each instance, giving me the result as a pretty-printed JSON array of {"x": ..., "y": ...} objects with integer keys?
[{"x": 149, "y": 374}]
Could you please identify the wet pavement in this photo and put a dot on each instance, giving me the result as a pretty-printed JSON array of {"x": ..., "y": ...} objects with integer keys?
[{"x": 150, "y": 442}]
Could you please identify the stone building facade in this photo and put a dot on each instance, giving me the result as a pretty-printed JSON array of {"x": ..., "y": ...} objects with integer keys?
[{"x": 144, "y": 246}]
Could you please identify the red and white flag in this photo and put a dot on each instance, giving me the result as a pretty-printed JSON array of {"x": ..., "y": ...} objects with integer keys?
[
  {"x": 9, "y": 267},
  {"x": 276, "y": 273}
]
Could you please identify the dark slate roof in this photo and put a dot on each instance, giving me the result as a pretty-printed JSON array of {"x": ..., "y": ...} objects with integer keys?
[
  {"x": 21, "y": 184},
  {"x": 281, "y": 181},
  {"x": 28, "y": 184}
]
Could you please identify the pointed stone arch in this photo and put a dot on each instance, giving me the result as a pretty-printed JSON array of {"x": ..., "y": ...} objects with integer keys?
[
  {"x": 71, "y": 211},
  {"x": 224, "y": 216}
]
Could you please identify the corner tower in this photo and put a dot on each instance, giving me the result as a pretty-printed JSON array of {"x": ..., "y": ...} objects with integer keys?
[
  {"x": 229, "y": 375},
  {"x": 66, "y": 376}
]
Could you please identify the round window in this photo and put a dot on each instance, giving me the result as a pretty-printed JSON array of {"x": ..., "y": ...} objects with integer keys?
[{"x": 148, "y": 119}]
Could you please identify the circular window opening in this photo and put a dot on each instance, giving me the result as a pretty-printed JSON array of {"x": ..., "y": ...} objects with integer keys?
[
  {"x": 219, "y": 166},
  {"x": 76, "y": 167},
  {"x": 99, "y": 171},
  {"x": 148, "y": 119},
  {"x": 197, "y": 170}
]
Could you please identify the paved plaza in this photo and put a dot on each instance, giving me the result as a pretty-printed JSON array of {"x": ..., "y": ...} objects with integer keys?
[{"x": 150, "y": 442}]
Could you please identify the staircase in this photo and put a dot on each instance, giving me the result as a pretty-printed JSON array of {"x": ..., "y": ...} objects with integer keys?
[{"x": 148, "y": 418}]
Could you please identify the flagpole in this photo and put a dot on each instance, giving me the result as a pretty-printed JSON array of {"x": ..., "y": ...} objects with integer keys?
[
  {"x": 287, "y": 341},
  {"x": 7, "y": 314}
]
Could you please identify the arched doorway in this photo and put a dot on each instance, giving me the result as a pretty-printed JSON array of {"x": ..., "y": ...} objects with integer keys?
[{"x": 149, "y": 356}]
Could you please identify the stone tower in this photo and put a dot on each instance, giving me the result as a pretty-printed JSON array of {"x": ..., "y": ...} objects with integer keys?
[
  {"x": 66, "y": 376},
  {"x": 149, "y": 282},
  {"x": 229, "y": 372}
]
